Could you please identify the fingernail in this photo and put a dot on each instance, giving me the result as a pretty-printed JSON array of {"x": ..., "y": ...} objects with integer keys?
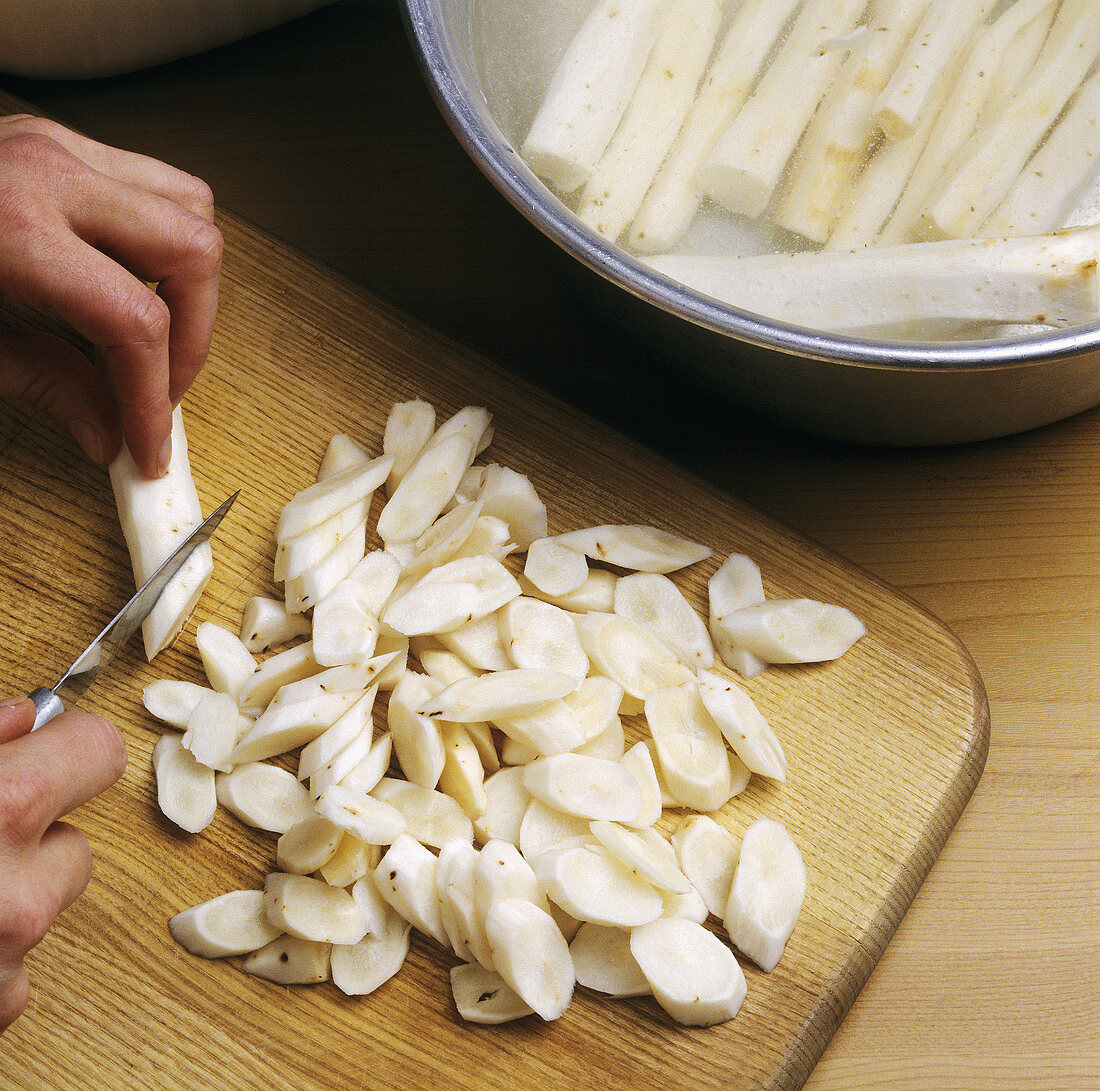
[
  {"x": 91, "y": 439},
  {"x": 164, "y": 458}
]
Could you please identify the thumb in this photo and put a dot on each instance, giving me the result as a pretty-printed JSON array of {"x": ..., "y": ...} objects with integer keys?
[
  {"x": 57, "y": 377},
  {"x": 16, "y": 718}
]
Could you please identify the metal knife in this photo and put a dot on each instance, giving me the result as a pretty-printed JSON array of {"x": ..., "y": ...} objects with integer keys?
[{"x": 96, "y": 656}]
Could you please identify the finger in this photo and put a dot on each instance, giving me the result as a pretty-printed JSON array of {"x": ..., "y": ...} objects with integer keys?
[
  {"x": 55, "y": 769},
  {"x": 15, "y": 992},
  {"x": 64, "y": 866},
  {"x": 56, "y": 376},
  {"x": 16, "y": 718},
  {"x": 138, "y": 170}
]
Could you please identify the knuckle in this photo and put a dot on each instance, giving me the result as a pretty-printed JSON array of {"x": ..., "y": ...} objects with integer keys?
[
  {"x": 26, "y": 915},
  {"x": 198, "y": 196},
  {"x": 14, "y": 997},
  {"x": 21, "y": 796},
  {"x": 104, "y": 740},
  {"x": 204, "y": 249},
  {"x": 32, "y": 149},
  {"x": 145, "y": 318}
]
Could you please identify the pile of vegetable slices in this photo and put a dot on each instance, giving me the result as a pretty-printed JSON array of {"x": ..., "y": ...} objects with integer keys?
[{"x": 498, "y": 807}]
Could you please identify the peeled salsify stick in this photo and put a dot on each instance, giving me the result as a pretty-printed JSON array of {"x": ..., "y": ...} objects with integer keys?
[
  {"x": 993, "y": 159},
  {"x": 877, "y": 190},
  {"x": 744, "y": 167},
  {"x": 673, "y": 199},
  {"x": 905, "y": 98},
  {"x": 1056, "y": 172},
  {"x": 590, "y": 90},
  {"x": 660, "y": 103},
  {"x": 958, "y": 118},
  {"x": 1017, "y": 62},
  {"x": 1048, "y": 280},
  {"x": 841, "y": 134}
]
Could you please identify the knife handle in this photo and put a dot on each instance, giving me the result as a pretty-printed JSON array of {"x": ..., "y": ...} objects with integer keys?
[{"x": 47, "y": 705}]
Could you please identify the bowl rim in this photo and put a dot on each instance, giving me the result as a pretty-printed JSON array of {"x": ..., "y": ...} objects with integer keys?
[{"x": 501, "y": 163}]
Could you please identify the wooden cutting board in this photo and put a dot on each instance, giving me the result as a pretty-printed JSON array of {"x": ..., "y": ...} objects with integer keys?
[{"x": 885, "y": 746}]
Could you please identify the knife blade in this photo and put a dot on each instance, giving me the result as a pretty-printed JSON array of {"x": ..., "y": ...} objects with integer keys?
[{"x": 95, "y": 657}]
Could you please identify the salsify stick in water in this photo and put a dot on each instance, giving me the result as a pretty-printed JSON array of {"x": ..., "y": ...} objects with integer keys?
[
  {"x": 745, "y": 165},
  {"x": 590, "y": 91},
  {"x": 661, "y": 102},
  {"x": 673, "y": 199},
  {"x": 1056, "y": 172},
  {"x": 841, "y": 133},
  {"x": 993, "y": 159},
  {"x": 1047, "y": 279}
]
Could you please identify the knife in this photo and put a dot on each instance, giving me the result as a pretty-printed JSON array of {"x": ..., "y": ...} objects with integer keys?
[{"x": 96, "y": 656}]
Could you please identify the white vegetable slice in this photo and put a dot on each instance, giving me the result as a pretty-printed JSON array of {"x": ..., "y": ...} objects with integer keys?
[
  {"x": 409, "y": 426},
  {"x": 232, "y": 924},
  {"x": 434, "y": 608},
  {"x": 441, "y": 542},
  {"x": 657, "y": 109},
  {"x": 456, "y": 878},
  {"x": 491, "y": 537},
  {"x": 609, "y": 744},
  {"x": 639, "y": 548},
  {"x": 590, "y": 90},
  {"x": 673, "y": 198},
  {"x": 477, "y": 643},
  {"x": 172, "y": 700},
  {"x": 511, "y": 497},
  {"x": 226, "y": 660},
  {"x": 348, "y": 729},
  {"x": 341, "y": 453},
  {"x": 353, "y": 859},
  {"x": 344, "y": 630},
  {"x": 602, "y": 961},
  {"x": 690, "y": 747},
  {"x": 305, "y": 591},
  {"x": 596, "y": 593},
  {"x": 266, "y": 621},
  {"x": 156, "y": 516},
  {"x": 185, "y": 789},
  {"x": 623, "y": 651},
  {"x": 531, "y": 954},
  {"x": 539, "y": 636},
  {"x": 501, "y": 872},
  {"x": 364, "y": 774},
  {"x": 405, "y": 877},
  {"x": 585, "y": 786},
  {"x": 426, "y": 488},
  {"x": 361, "y": 968},
  {"x": 736, "y": 583},
  {"x": 498, "y": 696},
  {"x": 693, "y": 974},
  {"x": 689, "y": 906},
  {"x": 463, "y": 776},
  {"x": 645, "y": 852},
  {"x": 592, "y": 885},
  {"x": 552, "y": 729},
  {"x": 308, "y": 845},
  {"x": 639, "y": 762},
  {"x": 277, "y": 671},
  {"x": 285, "y": 726},
  {"x": 377, "y": 573},
  {"x": 766, "y": 896},
  {"x": 744, "y": 167},
  {"x": 417, "y": 742},
  {"x": 431, "y": 817},
  {"x": 371, "y": 820},
  {"x": 483, "y": 996},
  {"x": 313, "y": 910},
  {"x": 553, "y": 568},
  {"x": 794, "y": 630},
  {"x": 543, "y": 828},
  {"x": 657, "y": 604},
  {"x": 290, "y": 961},
  {"x": 213, "y": 728},
  {"x": 320, "y": 501},
  {"x": 743, "y": 726},
  {"x": 264, "y": 796},
  {"x": 708, "y": 856},
  {"x": 296, "y": 556},
  {"x": 506, "y": 800},
  {"x": 595, "y": 703}
]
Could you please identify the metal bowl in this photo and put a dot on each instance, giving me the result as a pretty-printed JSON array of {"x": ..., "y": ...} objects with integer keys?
[{"x": 861, "y": 389}]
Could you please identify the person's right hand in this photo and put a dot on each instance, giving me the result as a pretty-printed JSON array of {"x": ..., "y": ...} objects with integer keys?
[
  {"x": 83, "y": 228},
  {"x": 44, "y": 863}
]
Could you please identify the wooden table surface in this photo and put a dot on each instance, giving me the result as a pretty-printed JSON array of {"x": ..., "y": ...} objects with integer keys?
[{"x": 322, "y": 133}]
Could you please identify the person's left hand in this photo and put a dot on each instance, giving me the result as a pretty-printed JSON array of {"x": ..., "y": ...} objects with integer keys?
[{"x": 83, "y": 228}]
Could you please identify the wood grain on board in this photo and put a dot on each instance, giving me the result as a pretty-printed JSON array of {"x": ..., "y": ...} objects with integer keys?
[{"x": 885, "y": 746}]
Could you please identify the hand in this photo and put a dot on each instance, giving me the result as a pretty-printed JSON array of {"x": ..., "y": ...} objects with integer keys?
[
  {"x": 83, "y": 227},
  {"x": 44, "y": 863}
]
